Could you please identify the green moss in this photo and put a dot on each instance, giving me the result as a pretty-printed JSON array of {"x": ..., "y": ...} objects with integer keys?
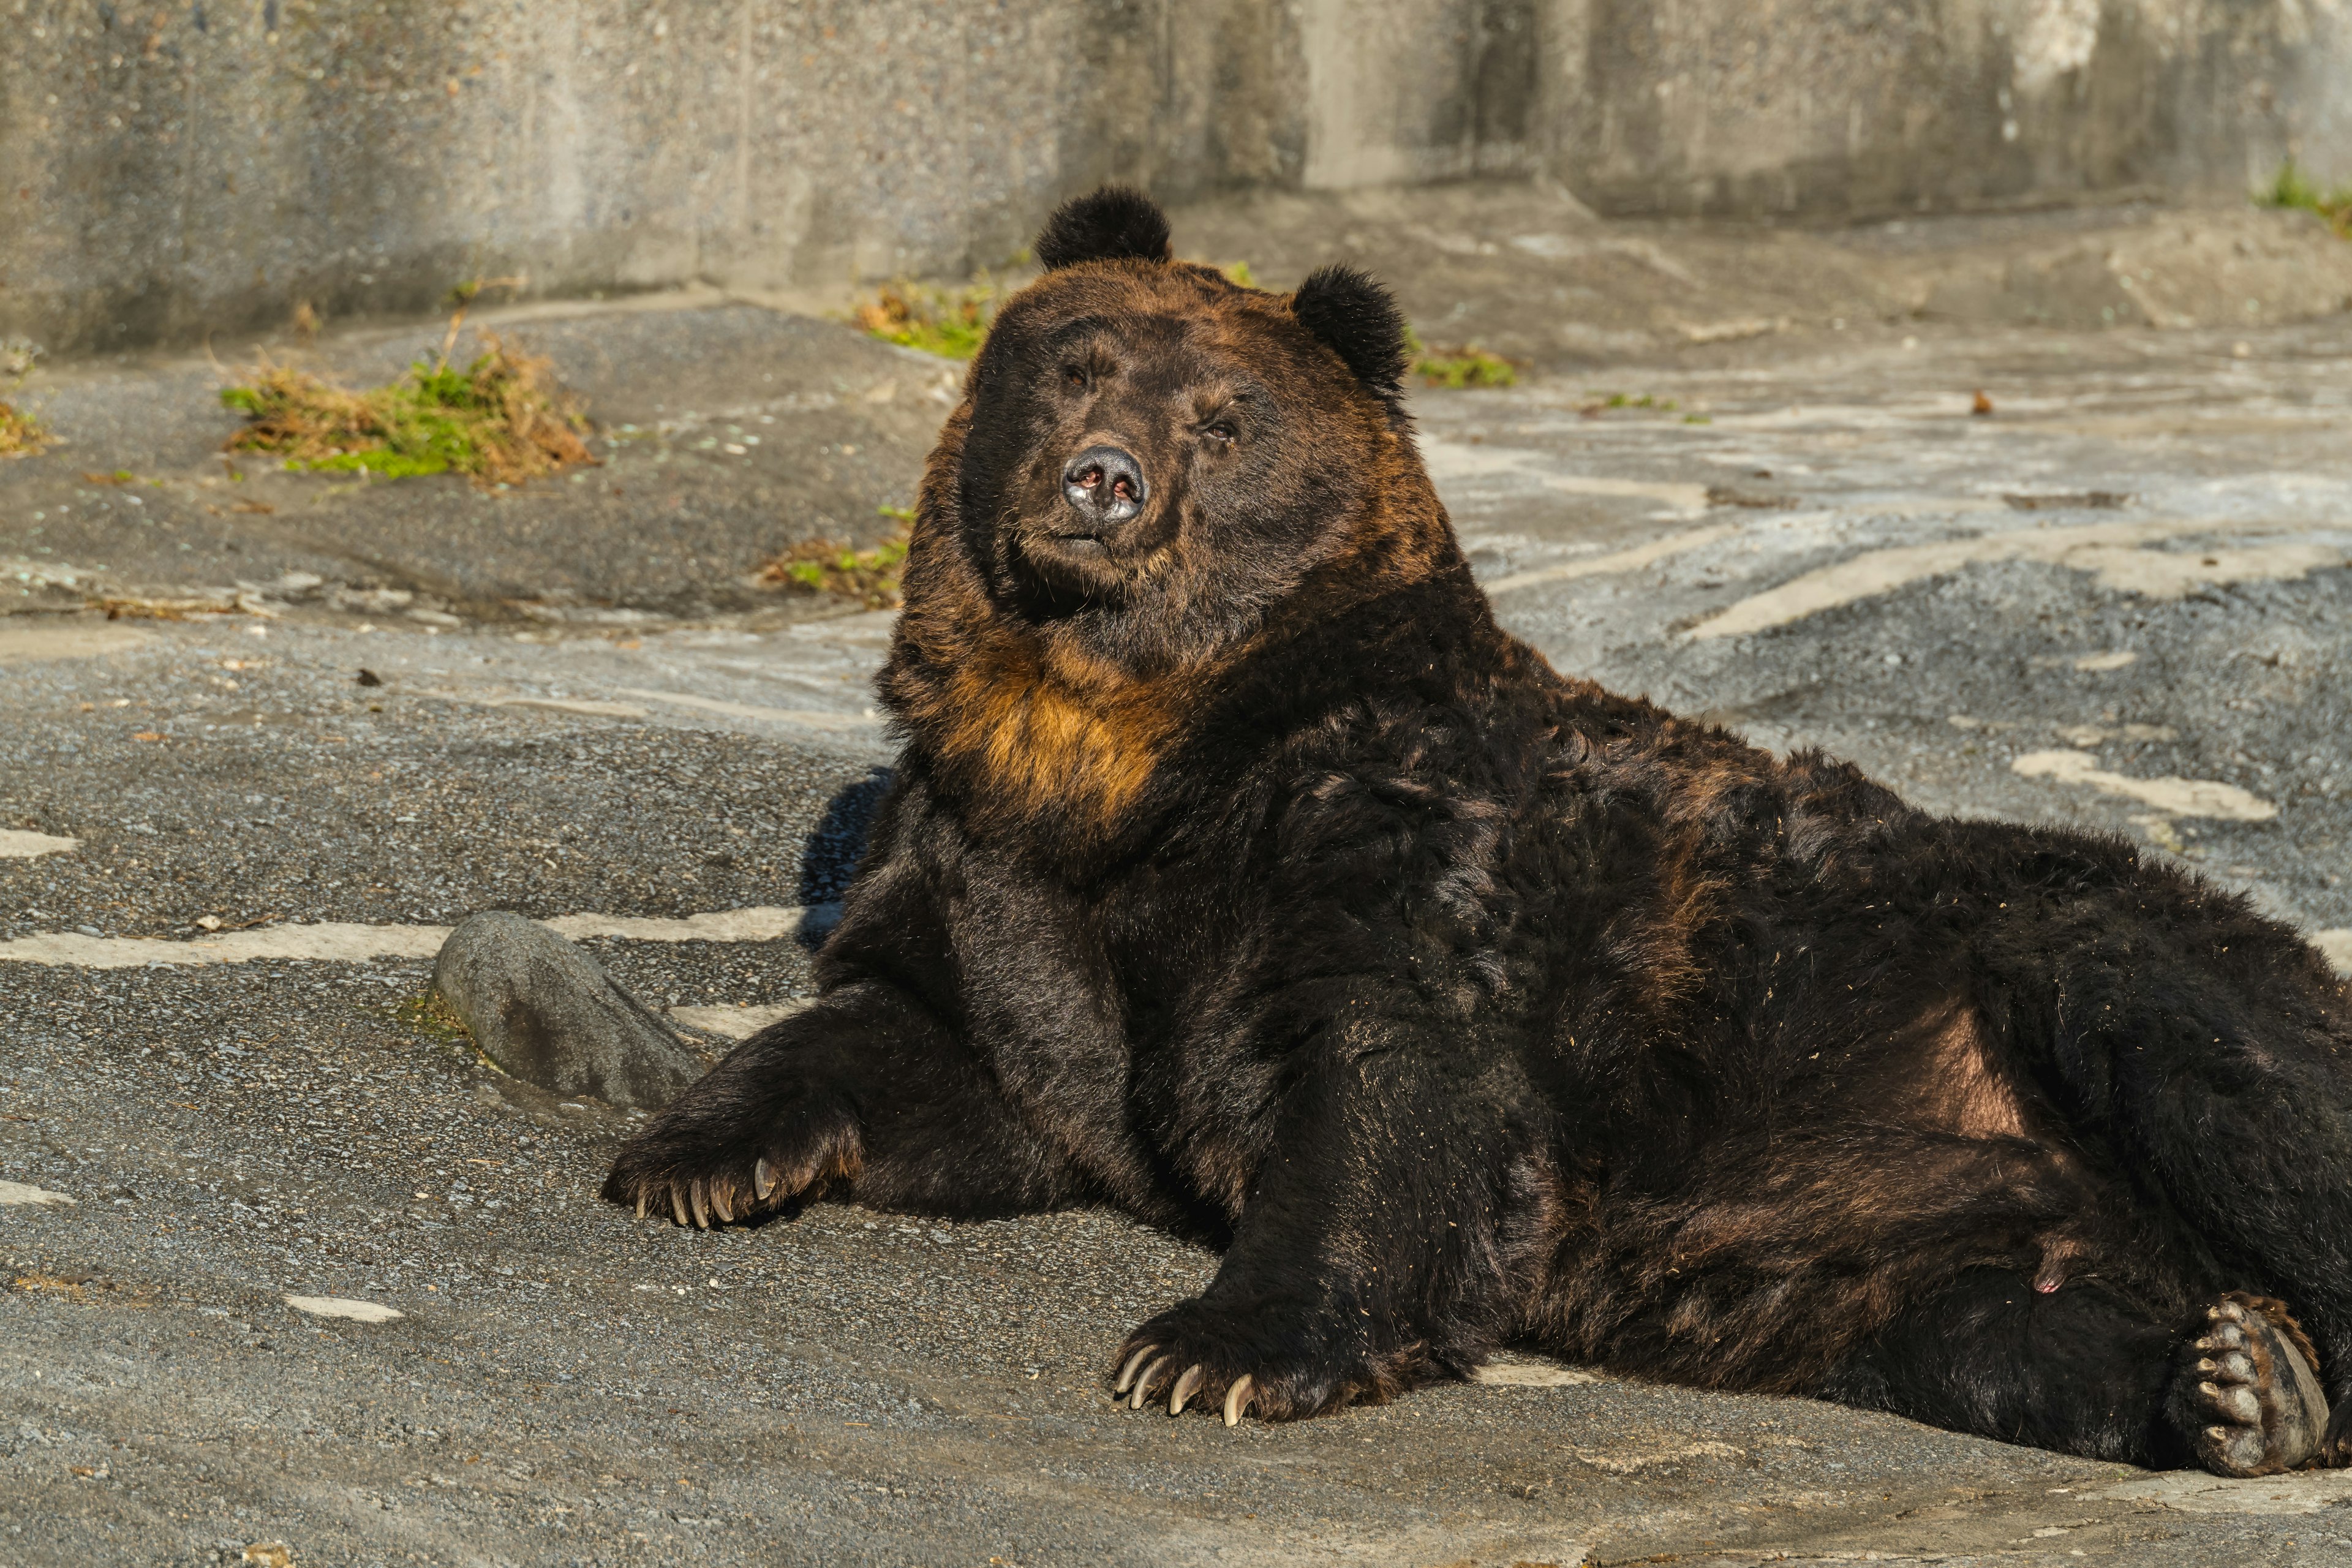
[
  {"x": 428, "y": 1015},
  {"x": 1458, "y": 368},
  {"x": 1599, "y": 401},
  {"x": 950, "y": 323},
  {"x": 828, "y": 566},
  {"x": 2291, "y": 188},
  {"x": 21, "y": 434}
]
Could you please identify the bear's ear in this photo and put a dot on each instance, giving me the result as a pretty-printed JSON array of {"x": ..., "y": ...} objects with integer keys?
[
  {"x": 1117, "y": 223},
  {"x": 1360, "y": 321}
]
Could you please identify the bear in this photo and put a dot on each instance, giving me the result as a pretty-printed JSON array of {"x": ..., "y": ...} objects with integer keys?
[{"x": 1240, "y": 872}]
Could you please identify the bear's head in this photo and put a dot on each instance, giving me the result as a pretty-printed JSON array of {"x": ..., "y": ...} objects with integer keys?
[
  {"x": 1154, "y": 472},
  {"x": 1156, "y": 456}
]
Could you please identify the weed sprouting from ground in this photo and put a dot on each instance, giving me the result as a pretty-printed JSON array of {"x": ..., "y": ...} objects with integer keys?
[
  {"x": 951, "y": 323},
  {"x": 2291, "y": 188},
  {"x": 829, "y": 566},
  {"x": 1457, "y": 368},
  {"x": 431, "y": 1016},
  {"x": 1599, "y": 402},
  {"x": 501, "y": 418},
  {"x": 21, "y": 434}
]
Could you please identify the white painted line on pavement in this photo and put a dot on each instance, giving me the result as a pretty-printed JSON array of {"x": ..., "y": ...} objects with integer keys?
[
  {"x": 736, "y": 1023},
  {"x": 2182, "y": 797},
  {"x": 2111, "y": 549},
  {"x": 802, "y": 718},
  {"x": 767, "y": 923},
  {"x": 1532, "y": 1374},
  {"x": 331, "y": 941},
  {"x": 18, "y": 845},
  {"x": 1448, "y": 461},
  {"x": 338, "y": 942},
  {"x": 811, "y": 718},
  {"x": 1632, "y": 560},
  {"x": 344, "y": 1307},
  {"x": 16, "y": 1194},
  {"x": 26, "y": 645},
  {"x": 592, "y": 710},
  {"x": 2193, "y": 1491}
]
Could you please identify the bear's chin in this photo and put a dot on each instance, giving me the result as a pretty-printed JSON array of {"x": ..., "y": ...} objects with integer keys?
[{"x": 1073, "y": 571}]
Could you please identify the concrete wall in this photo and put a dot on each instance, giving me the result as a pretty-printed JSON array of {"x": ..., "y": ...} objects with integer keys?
[{"x": 171, "y": 170}]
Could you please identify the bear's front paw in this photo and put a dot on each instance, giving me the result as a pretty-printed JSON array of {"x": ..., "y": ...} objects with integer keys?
[
  {"x": 686, "y": 1167},
  {"x": 1267, "y": 1360},
  {"x": 2244, "y": 1395}
]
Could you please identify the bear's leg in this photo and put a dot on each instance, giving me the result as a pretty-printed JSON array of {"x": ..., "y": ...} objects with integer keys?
[
  {"x": 2221, "y": 1071},
  {"x": 2084, "y": 1370},
  {"x": 1369, "y": 1256},
  {"x": 864, "y": 1087}
]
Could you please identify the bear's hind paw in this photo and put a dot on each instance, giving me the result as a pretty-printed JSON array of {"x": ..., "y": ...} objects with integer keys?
[{"x": 2245, "y": 1395}]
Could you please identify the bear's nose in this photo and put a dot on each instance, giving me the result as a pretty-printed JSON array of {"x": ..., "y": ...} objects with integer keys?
[{"x": 1103, "y": 485}]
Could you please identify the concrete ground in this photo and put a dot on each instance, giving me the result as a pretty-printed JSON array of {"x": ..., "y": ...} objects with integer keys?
[{"x": 2119, "y": 599}]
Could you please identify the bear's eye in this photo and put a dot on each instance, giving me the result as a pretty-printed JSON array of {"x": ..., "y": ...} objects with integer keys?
[
  {"x": 1072, "y": 375},
  {"x": 1222, "y": 432}
]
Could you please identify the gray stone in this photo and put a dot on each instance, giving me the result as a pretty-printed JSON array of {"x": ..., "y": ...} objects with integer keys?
[{"x": 542, "y": 1009}]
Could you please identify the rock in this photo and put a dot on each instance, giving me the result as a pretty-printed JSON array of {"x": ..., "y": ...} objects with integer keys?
[{"x": 540, "y": 1008}]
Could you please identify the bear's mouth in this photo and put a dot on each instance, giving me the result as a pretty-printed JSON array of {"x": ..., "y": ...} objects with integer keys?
[
  {"x": 1050, "y": 549},
  {"x": 1073, "y": 564}
]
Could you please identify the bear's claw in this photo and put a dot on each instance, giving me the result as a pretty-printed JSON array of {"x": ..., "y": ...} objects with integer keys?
[
  {"x": 678, "y": 1170},
  {"x": 1147, "y": 1370},
  {"x": 1194, "y": 1375}
]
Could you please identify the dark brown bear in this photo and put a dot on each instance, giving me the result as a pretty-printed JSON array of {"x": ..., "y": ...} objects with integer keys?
[{"x": 1240, "y": 873}]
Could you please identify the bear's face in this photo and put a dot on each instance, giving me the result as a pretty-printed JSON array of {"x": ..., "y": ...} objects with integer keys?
[
  {"x": 1156, "y": 478},
  {"x": 1155, "y": 456}
]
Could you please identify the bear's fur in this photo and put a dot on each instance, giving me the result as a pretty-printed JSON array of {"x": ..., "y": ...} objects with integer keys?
[{"x": 1241, "y": 873}]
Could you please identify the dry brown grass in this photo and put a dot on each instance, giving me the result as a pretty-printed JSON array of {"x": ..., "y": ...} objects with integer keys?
[{"x": 501, "y": 419}]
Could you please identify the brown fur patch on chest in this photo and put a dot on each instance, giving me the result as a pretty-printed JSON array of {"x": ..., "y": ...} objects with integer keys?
[{"x": 1038, "y": 729}]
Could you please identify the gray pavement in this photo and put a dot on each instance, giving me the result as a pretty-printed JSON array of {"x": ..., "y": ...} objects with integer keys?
[{"x": 2119, "y": 600}]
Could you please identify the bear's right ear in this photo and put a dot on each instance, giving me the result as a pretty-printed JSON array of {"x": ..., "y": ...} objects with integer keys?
[
  {"x": 1358, "y": 319},
  {"x": 1116, "y": 223}
]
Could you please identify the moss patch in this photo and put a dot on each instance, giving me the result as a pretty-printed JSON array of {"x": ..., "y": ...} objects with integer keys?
[
  {"x": 2291, "y": 188},
  {"x": 951, "y": 323},
  {"x": 1602, "y": 402},
  {"x": 501, "y": 420},
  {"x": 1457, "y": 368},
  {"x": 954, "y": 323},
  {"x": 430, "y": 1016},
  {"x": 829, "y": 566},
  {"x": 21, "y": 434}
]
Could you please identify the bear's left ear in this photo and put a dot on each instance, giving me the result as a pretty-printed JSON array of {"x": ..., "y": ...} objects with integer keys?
[
  {"x": 1360, "y": 321},
  {"x": 1116, "y": 223}
]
